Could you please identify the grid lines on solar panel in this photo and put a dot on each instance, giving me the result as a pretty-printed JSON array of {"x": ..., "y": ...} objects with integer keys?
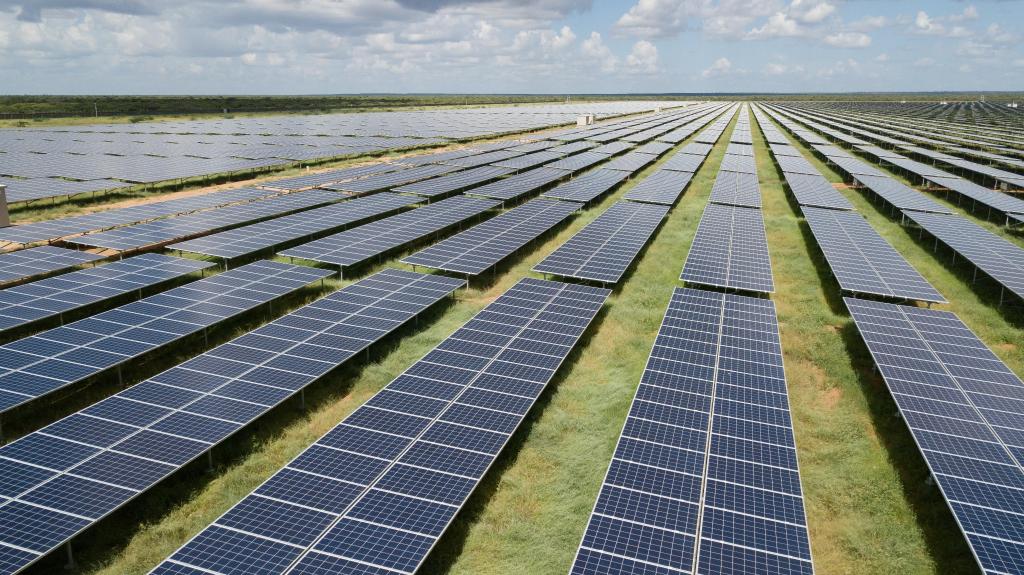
[
  {"x": 992, "y": 199},
  {"x": 578, "y": 162},
  {"x": 862, "y": 261},
  {"x": 603, "y": 250},
  {"x": 999, "y": 258},
  {"x": 363, "y": 242},
  {"x": 961, "y": 404},
  {"x": 736, "y": 189},
  {"x": 381, "y": 488},
  {"x": 816, "y": 191},
  {"x": 660, "y": 187},
  {"x": 40, "y": 364},
  {"x": 519, "y": 185},
  {"x": 247, "y": 240},
  {"x": 51, "y": 297},
  {"x": 631, "y": 162},
  {"x": 901, "y": 197},
  {"x": 730, "y": 250},
  {"x": 387, "y": 180},
  {"x": 587, "y": 187},
  {"x": 72, "y": 473},
  {"x": 177, "y": 228},
  {"x": 53, "y": 229},
  {"x": 321, "y": 179},
  {"x": 25, "y": 264},
  {"x": 450, "y": 183},
  {"x": 708, "y": 431},
  {"x": 484, "y": 245}
]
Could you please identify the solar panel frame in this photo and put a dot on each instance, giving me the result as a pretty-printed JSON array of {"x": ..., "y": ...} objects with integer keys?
[
  {"x": 268, "y": 235},
  {"x": 481, "y": 247},
  {"x": 39, "y": 365},
  {"x": 815, "y": 191},
  {"x": 519, "y": 185},
  {"x": 736, "y": 189},
  {"x": 587, "y": 187},
  {"x": 862, "y": 261},
  {"x": 52, "y": 297},
  {"x": 26, "y": 264},
  {"x": 632, "y": 161},
  {"x": 666, "y": 493},
  {"x": 660, "y": 187},
  {"x": 730, "y": 250},
  {"x": 387, "y": 299},
  {"x": 453, "y": 182},
  {"x": 387, "y": 526},
  {"x": 605, "y": 248},
  {"x": 356, "y": 245},
  {"x": 953, "y": 393}
]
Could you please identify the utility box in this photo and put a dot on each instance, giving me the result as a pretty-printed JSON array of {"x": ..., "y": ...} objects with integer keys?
[
  {"x": 5, "y": 218},
  {"x": 585, "y": 120}
]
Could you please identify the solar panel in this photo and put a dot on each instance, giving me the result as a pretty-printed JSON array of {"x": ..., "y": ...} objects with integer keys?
[
  {"x": 572, "y": 147},
  {"x": 604, "y": 249},
  {"x": 435, "y": 157},
  {"x": 26, "y": 264},
  {"x": 519, "y": 185},
  {"x": 48, "y": 230},
  {"x": 997, "y": 257},
  {"x": 960, "y": 403},
  {"x": 481, "y": 247},
  {"x": 35, "y": 366},
  {"x": 654, "y": 148},
  {"x": 528, "y": 160},
  {"x": 630, "y": 162},
  {"x": 660, "y": 187},
  {"x": 481, "y": 159},
  {"x": 730, "y": 250},
  {"x": 578, "y": 162},
  {"x": 377, "y": 492},
  {"x": 271, "y": 234},
  {"x": 587, "y": 187},
  {"x": 167, "y": 230},
  {"x": 535, "y": 146},
  {"x": 449, "y": 183},
  {"x": 704, "y": 478},
  {"x": 796, "y": 165},
  {"x": 612, "y": 148},
  {"x": 737, "y": 189},
  {"x": 681, "y": 162},
  {"x": 901, "y": 197},
  {"x": 71, "y": 474},
  {"x": 308, "y": 181},
  {"x": 992, "y": 199},
  {"x": 738, "y": 149},
  {"x": 734, "y": 163},
  {"x": 862, "y": 261},
  {"x": 815, "y": 190},
  {"x": 361, "y": 243},
  {"x": 390, "y": 180},
  {"x": 49, "y": 298},
  {"x": 699, "y": 148}
]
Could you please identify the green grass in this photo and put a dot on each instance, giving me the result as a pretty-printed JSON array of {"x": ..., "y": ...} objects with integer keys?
[{"x": 869, "y": 508}]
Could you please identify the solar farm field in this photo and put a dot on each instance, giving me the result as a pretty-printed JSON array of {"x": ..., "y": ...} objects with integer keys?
[{"x": 768, "y": 336}]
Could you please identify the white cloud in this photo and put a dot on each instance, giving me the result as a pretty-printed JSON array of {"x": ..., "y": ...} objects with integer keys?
[
  {"x": 655, "y": 18},
  {"x": 848, "y": 40},
  {"x": 969, "y": 13},
  {"x": 924, "y": 62},
  {"x": 781, "y": 69},
  {"x": 594, "y": 49},
  {"x": 883, "y": 57},
  {"x": 720, "y": 67},
  {"x": 643, "y": 58},
  {"x": 779, "y": 25},
  {"x": 811, "y": 11}
]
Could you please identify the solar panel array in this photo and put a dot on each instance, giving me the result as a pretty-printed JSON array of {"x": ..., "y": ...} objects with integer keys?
[
  {"x": 587, "y": 187},
  {"x": 704, "y": 478},
  {"x": 26, "y": 264},
  {"x": 529, "y": 160},
  {"x": 960, "y": 403},
  {"x": 481, "y": 247},
  {"x": 630, "y": 162},
  {"x": 660, "y": 187},
  {"x": 997, "y": 257},
  {"x": 64, "y": 478},
  {"x": 387, "y": 180},
  {"x": 736, "y": 183},
  {"x": 604, "y": 249},
  {"x": 578, "y": 162},
  {"x": 519, "y": 185},
  {"x": 862, "y": 261},
  {"x": 321, "y": 179},
  {"x": 449, "y": 183},
  {"x": 993, "y": 200},
  {"x": 376, "y": 493},
  {"x": 361, "y": 243},
  {"x": 730, "y": 250},
  {"x": 163, "y": 231},
  {"x": 49, "y": 298},
  {"x": 48, "y": 230},
  {"x": 35, "y": 366},
  {"x": 270, "y": 234}
]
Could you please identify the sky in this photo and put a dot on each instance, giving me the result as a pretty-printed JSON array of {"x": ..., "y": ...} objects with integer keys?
[{"x": 507, "y": 46}]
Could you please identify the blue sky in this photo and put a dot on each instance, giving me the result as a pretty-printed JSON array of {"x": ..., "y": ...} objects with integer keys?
[{"x": 550, "y": 46}]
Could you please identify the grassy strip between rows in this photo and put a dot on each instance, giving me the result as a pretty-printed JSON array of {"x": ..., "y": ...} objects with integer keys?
[{"x": 869, "y": 508}]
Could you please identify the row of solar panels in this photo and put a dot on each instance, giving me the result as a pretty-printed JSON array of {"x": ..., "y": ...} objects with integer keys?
[
  {"x": 995, "y": 256},
  {"x": 955, "y": 395}
]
